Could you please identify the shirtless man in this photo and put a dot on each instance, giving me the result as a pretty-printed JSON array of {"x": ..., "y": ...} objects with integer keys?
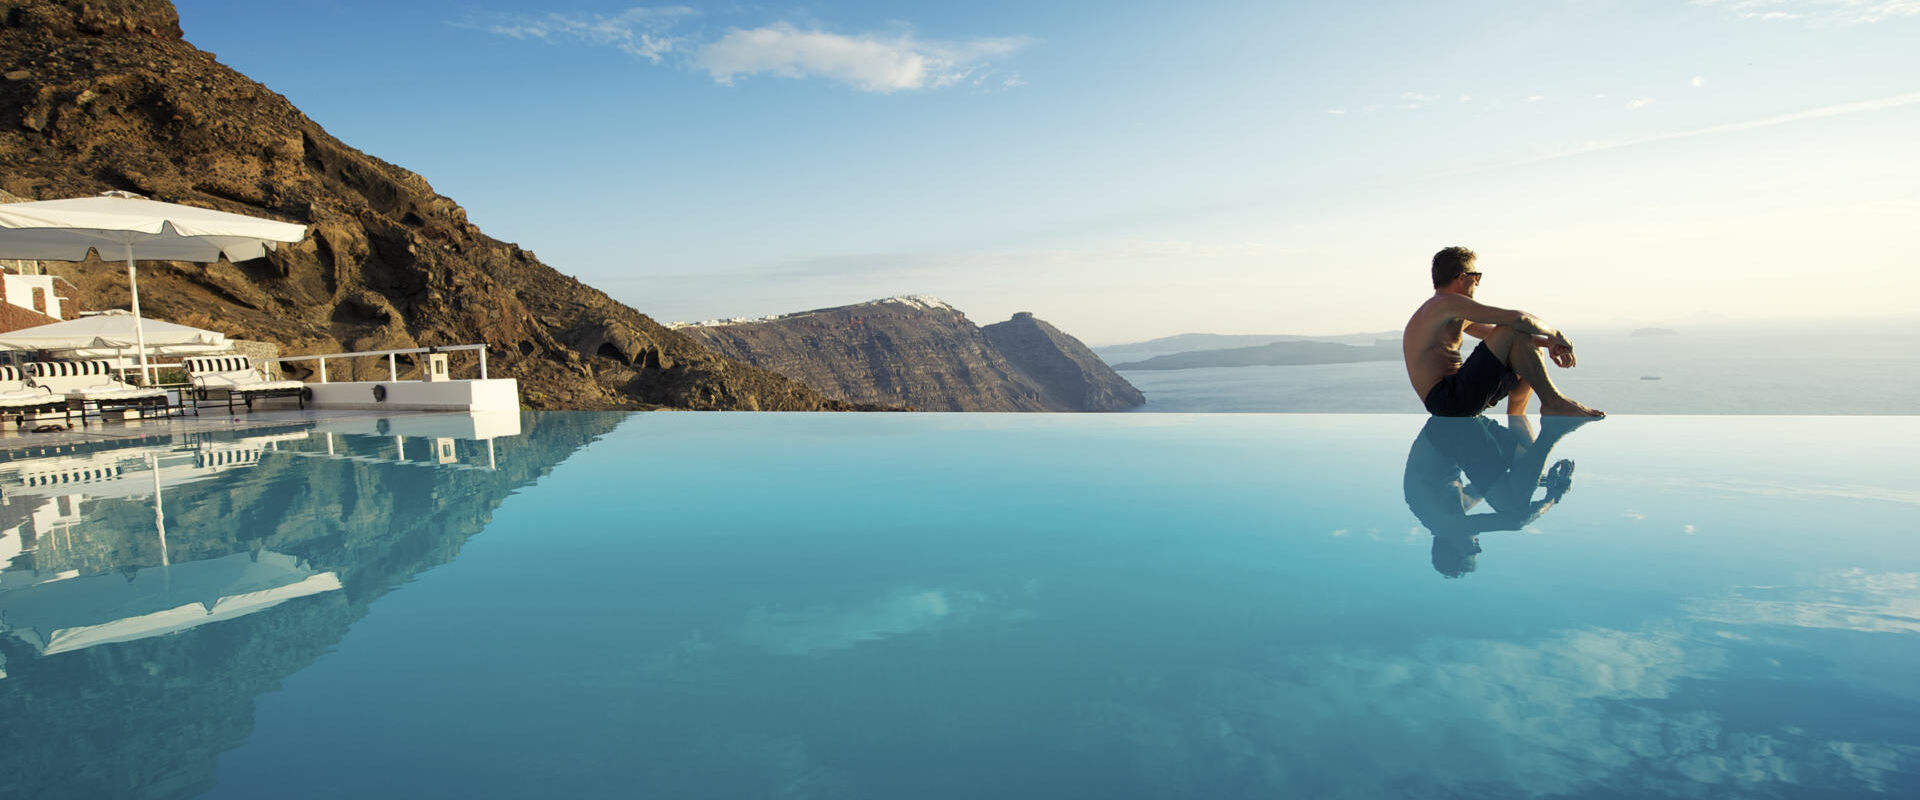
[{"x": 1507, "y": 363}]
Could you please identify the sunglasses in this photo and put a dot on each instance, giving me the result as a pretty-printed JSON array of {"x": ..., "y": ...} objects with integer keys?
[{"x": 1472, "y": 276}]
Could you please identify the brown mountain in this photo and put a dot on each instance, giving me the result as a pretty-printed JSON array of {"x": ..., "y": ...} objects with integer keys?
[
  {"x": 1070, "y": 374},
  {"x": 105, "y": 94},
  {"x": 921, "y": 352}
]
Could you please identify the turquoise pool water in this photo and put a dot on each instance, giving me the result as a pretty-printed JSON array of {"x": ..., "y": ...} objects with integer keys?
[{"x": 879, "y": 606}]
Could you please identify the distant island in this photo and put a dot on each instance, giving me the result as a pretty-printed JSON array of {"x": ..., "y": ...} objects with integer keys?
[
  {"x": 1654, "y": 332},
  {"x": 1285, "y": 353},
  {"x": 1193, "y": 342}
]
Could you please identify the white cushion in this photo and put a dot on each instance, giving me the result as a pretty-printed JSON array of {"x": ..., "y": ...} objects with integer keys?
[
  {"x": 241, "y": 380},
  {"x": 30, "y": 398},
  {"x": 116, "y": 392}
]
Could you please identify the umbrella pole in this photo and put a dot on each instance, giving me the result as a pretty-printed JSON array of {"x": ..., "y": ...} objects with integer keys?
[
  {"x": 159, "y": 513},
  {"x": 139, "y": 331}
]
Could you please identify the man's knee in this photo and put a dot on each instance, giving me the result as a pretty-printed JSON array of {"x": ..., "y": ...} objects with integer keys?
[{"x": 1503, "y": 339}]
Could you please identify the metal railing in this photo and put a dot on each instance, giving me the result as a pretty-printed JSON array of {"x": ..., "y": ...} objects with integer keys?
[{"x": 393, "y": 365}]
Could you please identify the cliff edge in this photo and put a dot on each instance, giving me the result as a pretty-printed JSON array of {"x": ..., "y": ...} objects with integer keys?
[
  {"x": 105, "y": 94},
  {"x": 920, "y": 352},
  {"x": 1070, "y": 374}
]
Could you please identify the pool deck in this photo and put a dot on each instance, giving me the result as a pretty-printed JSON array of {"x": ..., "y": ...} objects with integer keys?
[{"x": 16, "y": 443}]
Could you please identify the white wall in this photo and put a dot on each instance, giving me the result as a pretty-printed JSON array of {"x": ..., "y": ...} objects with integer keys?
[
  {"x": 472, "y": 425},
  {"x": 495, "y": 394},
  {"x": 20, "y": 290}
]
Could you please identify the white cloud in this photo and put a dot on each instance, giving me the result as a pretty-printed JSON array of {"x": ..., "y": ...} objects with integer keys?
[
  {"x": 1881, "y": 104},
  {"x": 1826, "y": 12},
  {"x": 1782, "y": 489},
  {"x": 639, "y": 31},
  {"x": 1592, "y": 711},
  {"x": 1584, "y": 711},
  {"x": 868, "y": 62},
  {"x": 1412, "y": 100},
  {"x": 1132, "y": 258},
  {"x": 820, "y": 630},
  {"x": 1699, "y": 81},
  {"x": 1639, "y": 102},
  {"x": 1535, "y": 98},
  {"x": 1854, "y": 600},
  {"x": 871, "y": 62},
  {"x": 1408, "y": 101}
]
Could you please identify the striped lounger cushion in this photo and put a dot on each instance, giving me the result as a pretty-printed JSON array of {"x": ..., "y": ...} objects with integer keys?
[
  {"x": 89, "y": 380},
  {"x": 233, "y": 373},
  {"x": 16, "y": 394}
]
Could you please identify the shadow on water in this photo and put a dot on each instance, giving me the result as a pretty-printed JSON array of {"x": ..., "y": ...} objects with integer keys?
[
  {"x": 149, "y": 594},
  {"x": 1458, "y": 465}
]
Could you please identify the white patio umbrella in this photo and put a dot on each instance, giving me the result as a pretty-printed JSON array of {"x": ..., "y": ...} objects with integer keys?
[
  {"x": 110, "y": 332},
  {"x": 123, "y": 224},
  {"x": 77, "y": 613}
]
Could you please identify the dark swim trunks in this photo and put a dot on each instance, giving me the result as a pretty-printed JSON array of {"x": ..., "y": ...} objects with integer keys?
[{"x": 1479, "y": 383}]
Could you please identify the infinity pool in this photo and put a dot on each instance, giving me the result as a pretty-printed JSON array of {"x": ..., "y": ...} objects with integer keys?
[{"x": 683, "y": 605}]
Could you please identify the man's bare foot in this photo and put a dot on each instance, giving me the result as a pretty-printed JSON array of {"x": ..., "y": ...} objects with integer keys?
[
  {"x": 1567, "y": 408},
  {"x": 1552, "y": 428}
]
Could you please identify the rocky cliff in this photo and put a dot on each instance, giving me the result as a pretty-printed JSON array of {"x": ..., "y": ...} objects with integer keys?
[
  {"x": 1070, "y": 374},
  {"x": 923, "y": 353},
  {"x": 105, "y": 94}
]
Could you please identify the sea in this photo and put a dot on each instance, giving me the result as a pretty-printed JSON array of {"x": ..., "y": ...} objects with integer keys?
[{"x": 1733, "y": 370}]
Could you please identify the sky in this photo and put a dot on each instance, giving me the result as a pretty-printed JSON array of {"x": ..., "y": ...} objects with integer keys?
[{"x": 1127, "y": 170}]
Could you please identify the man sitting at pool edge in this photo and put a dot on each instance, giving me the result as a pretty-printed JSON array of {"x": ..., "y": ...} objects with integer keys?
[{"x": 1507, "y": 362}]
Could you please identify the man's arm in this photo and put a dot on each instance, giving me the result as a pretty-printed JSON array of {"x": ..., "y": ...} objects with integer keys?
[
  {"x": 1482, "y": 317},
  {"x": 1481, "y": 330}
]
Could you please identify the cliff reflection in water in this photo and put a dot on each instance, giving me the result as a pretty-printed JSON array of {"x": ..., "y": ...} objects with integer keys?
[{"x": 149, "y": 593}]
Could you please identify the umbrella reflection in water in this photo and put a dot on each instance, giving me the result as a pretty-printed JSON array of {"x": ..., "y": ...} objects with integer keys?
[{"x": 122, "y": 224}]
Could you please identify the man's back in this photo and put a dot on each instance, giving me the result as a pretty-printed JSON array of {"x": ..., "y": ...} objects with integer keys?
[{"x": 1431, "y": 343}]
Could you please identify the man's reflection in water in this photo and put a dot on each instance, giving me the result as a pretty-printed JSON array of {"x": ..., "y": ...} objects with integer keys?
[{"x": 1503, "y": 466}]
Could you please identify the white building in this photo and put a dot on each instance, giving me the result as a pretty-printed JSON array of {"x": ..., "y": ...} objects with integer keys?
[{"x": 24, "y": 284}]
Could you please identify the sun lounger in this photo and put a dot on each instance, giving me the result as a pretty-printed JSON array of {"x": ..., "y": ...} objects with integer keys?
[
  {"x": 235, "y": 378},
  {"x": 18, "y": 399},
  {"x": 92, "y": 385}
]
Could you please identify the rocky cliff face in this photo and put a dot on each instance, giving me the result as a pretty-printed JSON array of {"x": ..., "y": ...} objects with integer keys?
[
  {"x": 920, "y": 352},
  {"x": 1070, "y": 374},
  {"x": 105, "y": 94}
]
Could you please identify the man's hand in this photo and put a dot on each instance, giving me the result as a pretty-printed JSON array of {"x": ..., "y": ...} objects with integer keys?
[{"x": 1561, "y": 351}]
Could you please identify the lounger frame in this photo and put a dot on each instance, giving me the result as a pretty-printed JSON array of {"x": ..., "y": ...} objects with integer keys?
[
  {"x": 92, "y": 388},
  {"x": 235, "y": 377},
  {"x": 18, "y": 399}
]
